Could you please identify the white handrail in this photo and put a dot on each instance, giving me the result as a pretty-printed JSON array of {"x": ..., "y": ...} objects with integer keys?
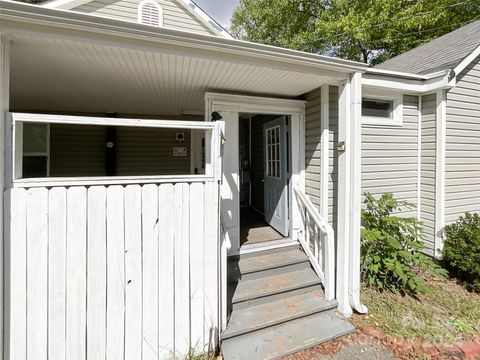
[{"x": 325, "y": 270}]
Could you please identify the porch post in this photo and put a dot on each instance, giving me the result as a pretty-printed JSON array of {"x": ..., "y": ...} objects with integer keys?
[
  {"x": 324, "y": 153},
  {"x": 343, "y": 212},
  {"x": 356, "y": 192},
  {"x": 4, "y": 108}
]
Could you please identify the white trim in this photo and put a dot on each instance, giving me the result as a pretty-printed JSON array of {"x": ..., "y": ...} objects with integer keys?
[
  {"x": 140, "y": 12},
  {"x": 440, "y": 153},
  {"x": 411, "y": 85},
  {"x": 405, "y": 75},
  {"x": 397, "y": 111},
  {"x": 31, "y": 19},
  {"x": 419, "y": 157},
  {"x": 5, "y": 338},
  {"x": 467, "y": 61},
  {"x": 104, "y": 121},
  {"x": 355, "y": 149},
  {"x": 343, "y": 206},
  {"x": 204, "y": 18},
  {"x": 109, "y": 180},
  {"x": 325, "y": 151}
]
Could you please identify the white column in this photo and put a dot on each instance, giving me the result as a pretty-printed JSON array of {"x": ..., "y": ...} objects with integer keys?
[
  {"x": 355, "y": 149},
  {"x": 4, "y": 108},
  {"x": 343, "y": 206}
]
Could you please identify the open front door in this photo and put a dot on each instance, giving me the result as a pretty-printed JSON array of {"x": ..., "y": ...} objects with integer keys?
[{"x": 276, "y": 175}]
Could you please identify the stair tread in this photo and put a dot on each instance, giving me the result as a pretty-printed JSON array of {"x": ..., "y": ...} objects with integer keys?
[
  {"x": 279, "y": 311},
  {"x": 287, "y": 338},
  {"x": 269, "y": 285},
  {"x": 269, "y": 260}
]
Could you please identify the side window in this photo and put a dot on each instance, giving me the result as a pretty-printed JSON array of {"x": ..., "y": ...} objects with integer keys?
[
  {"x": 150, "y": 13},
  {"x": 35, "y": 150},
  {"x": 382, "y": 110}
]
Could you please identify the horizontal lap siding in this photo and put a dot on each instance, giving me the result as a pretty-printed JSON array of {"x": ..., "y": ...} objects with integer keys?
[
  {"x": 174, "y": 15},
  {"x": 313, "y": 150},
  {"x": 427, "y": 185},
  {"x": 462, "y": 165},
  {"x": 390, "y": 157},
  {"x": 111, "y": 272}
]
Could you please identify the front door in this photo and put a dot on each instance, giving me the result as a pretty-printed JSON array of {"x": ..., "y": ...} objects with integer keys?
[{"x": 276, "y": 175}]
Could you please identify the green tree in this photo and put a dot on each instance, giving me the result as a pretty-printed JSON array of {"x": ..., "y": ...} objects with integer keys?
[{"x": 364, "y": 30}]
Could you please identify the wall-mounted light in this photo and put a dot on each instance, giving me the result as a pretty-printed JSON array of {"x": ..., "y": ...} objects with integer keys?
[
  {"x": 180, "y": 136},
  {"x": 216, "y": 116}
]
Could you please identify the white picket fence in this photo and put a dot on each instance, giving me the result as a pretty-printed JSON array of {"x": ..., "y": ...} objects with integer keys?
[{"x": 111, "y": 272}]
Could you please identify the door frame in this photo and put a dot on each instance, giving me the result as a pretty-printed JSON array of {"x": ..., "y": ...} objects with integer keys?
[{"x": 230, "y": 106}]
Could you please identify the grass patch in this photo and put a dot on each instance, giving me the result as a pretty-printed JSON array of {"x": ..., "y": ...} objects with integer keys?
[{"x": 447, "y": 312}]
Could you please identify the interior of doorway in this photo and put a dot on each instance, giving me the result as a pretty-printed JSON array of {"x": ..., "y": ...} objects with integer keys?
[{"x": 260, "y": 154}]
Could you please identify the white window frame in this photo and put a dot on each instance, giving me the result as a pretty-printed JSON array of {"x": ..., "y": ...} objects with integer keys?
[
  {"x": 397, "y": 112},
  {"x": 154, "y": 3}
]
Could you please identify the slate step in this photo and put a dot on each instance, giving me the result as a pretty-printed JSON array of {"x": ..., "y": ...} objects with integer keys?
[
  {"x": 273, "y": 287},
  {"x": 267, "y": 263},
  {"x": 261, "y": 316},
  {"x": 287, "y": 338}
]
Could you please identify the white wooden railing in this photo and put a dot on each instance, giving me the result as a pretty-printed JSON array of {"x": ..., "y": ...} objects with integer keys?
[{"x": 317, "y": 240}]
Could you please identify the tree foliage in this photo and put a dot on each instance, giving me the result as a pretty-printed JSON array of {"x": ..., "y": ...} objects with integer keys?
[{"x": 363, "y": 30}]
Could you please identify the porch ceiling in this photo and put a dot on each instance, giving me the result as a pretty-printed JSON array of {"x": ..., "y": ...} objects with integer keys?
[{"x": 55, "y": 74}]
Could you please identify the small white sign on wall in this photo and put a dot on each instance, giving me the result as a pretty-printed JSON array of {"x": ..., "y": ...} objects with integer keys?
[{"x": 180, "y": 151}]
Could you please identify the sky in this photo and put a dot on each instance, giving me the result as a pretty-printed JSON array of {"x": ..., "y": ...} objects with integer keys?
[{"x": 220, "y": 10}]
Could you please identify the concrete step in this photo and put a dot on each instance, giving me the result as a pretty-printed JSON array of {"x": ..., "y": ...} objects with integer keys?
[
  {"x": 287, "y": 338},
  {"x": 276, "y": 312},
  {"x": 273, "y": 287},
  {"x": 267, "y": 263}
]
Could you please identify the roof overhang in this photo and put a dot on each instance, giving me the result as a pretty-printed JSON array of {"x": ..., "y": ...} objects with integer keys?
[
  {"x": 85, "y": 61},
  {"x": 408, "y": 83}
]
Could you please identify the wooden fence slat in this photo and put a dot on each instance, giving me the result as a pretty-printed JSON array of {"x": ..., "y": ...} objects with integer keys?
[
  {"x": 76, "y": 272},
  {"x": 210, "y": 260},
  {"x": 37, "y": 276},
  {"x": 16, "y": 273},
  {"x": 57, "y": 251},
  {"x": 197, "y": 208},
  {"x": 166, "y": 305},
  {"x": 97, "y": 272},
  {"x": 115, "y": 273},
  {"x": 182, "y": 271},
  {"x": 133, "y": 272},
  {"x": 150, "y": 271}
]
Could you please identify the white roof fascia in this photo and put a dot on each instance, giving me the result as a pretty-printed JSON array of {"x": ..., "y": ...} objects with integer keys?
[
  {"x": 465, "y": 62},
  {"x": 28, "y": 18},
  {"x": 188, "y": 5},
  {"x": 408, "y": 83}
]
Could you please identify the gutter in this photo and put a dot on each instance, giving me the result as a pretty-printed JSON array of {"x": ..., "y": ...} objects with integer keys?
[
  {"x": 409, "y": 83},
  {"x": 21, "y": 17}
]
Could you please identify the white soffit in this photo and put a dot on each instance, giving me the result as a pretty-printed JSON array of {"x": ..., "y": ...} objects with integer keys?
[{"x": 71, "y": 76}]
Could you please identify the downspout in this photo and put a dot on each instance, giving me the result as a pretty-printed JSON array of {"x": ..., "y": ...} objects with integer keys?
[{"x": 355, "y": 148}]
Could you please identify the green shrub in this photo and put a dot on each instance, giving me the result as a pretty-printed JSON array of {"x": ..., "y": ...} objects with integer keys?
[
  {"x": 391, "y": 247},
  {"x": 461, "y": 251}
]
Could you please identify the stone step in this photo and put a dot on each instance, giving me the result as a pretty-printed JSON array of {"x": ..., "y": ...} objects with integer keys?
[
  {"x": 273, "y": 287},
  {"x": 287, "y": 338},
  {"x": 261, "y": 316}
]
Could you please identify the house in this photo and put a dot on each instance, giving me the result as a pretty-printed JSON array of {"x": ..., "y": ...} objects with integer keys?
[
  {"x": 426, "y": 149},
  {"x": 155, "y": 180},
  {"x": 169, "y": 189}
]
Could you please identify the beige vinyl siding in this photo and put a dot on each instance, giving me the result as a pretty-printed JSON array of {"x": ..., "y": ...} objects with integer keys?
[
  {"x": 150, "y": 152},
  {"x": 174, "y": 15},
  {"x": 313, "y": 150},
  {"x": 462, "y": 166},
  {"x": 390, "y": 157},
  {"x": 77, "y": 150},
  {"x": 427, "y": 185}
]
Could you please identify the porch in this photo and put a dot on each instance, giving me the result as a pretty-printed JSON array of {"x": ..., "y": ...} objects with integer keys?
[{"x": 144, "y": 249}]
